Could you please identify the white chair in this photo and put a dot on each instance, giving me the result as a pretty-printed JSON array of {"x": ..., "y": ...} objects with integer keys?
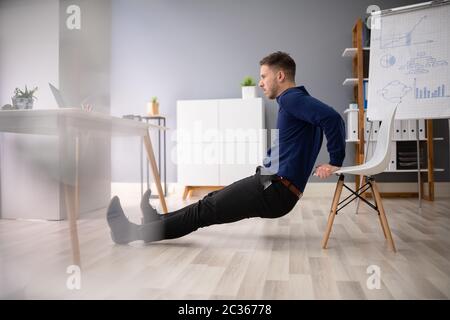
[{"x": 377, "y": 164}]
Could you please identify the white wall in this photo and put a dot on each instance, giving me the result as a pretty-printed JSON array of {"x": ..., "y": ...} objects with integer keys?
[
  {"x": 29, "y": 51},
  {"x": 29, "y": 48}
]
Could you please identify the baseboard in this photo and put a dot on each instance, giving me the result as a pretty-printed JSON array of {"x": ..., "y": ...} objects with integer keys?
[{"x": 131, "y": 192}]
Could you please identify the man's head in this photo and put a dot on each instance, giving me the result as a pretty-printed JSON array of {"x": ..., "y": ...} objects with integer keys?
[{"x": 277, "y": 73}]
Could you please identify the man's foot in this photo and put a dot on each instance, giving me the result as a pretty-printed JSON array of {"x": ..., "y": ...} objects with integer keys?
[
  {"x": 122, "y": 230},
  {"x": 149, "y": 213}
]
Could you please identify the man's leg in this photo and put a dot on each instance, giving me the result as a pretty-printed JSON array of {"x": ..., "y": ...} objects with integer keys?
[
  {"x": 245, "y": 198},
  {"x": 122, "y": 230},
  {"x": 240, "y": 200}
]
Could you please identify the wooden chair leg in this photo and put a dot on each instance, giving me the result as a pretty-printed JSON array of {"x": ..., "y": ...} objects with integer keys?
[
  {"x": 383, "y": 218},
  {"x": 382, "y": 226},
  {"x": 337, "y": 195},
  {"x": 379, "y": 215},
  {"x": 358, "y": 201}
]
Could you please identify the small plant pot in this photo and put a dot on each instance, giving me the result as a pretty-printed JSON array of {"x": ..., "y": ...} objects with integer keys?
[
  {"x": 153, "y": 109},
  {"x": 22, "y": 103},
  {"x": 249, "y": 92}
]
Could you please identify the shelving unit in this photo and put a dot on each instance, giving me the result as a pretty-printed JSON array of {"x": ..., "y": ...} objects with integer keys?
[
  {"x": 356, "y": 53},
  {"x": 352, "y": 81},
  {"x": 357, "y": 81},
  {"x": 351, "y": 52},
  {"x": 415, "y": 170},
  {"x": 396, "y": 140}
]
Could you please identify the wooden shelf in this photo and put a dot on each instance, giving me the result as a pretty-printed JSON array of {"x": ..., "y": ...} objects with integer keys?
[
  {"x": 352, "y": 81},
  {"x": 415, "y": 170},
  {"x": 423, "y": 139},
  {"x": 351, "y": 52}
]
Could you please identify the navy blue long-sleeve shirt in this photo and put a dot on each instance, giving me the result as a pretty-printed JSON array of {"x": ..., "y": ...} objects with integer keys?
[{"x": 302, "y": 120}]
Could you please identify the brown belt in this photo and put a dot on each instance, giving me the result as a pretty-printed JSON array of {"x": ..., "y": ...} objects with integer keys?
[{"x": 290, "y": 186}]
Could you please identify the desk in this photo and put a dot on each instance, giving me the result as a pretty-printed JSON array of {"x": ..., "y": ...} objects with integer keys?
[{"x": 69, "y": 124}]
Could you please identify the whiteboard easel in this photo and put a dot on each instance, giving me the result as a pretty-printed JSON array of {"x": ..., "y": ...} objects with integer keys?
[{"x": 410, "y": 62}]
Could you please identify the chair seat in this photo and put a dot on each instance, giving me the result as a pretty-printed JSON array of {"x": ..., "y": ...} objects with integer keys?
[{"x": 365, "y": 169}]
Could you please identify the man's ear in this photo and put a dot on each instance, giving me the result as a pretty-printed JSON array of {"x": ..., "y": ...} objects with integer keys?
[{"x": 281, "y": 76}]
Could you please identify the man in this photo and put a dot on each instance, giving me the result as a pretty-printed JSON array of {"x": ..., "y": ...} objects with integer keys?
[{"x": 276, "y": 187}]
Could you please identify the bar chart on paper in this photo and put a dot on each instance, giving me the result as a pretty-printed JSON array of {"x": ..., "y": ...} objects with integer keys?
[
  {"x": 423, "y": 92},
  {"x": 409, "y": 63}
]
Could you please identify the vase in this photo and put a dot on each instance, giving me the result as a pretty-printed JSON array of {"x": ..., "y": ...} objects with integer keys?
[
  {"x": 248, "y": 92},
  {"x": 22, "y": 103},
  {"x": 153, "y": 108}
]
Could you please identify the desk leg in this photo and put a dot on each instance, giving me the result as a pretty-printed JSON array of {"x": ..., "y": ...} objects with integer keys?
[
  {"x": 72, "y": 207},
  {"x": 156, "y": 177}
]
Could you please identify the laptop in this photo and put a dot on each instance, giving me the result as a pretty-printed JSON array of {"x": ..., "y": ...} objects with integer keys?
[
  {"x": 58, "y": 97},
  {"x": 62, "y": 102}
]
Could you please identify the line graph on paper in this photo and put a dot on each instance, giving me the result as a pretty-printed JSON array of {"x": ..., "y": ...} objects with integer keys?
[{"x": 403, "y": 38}]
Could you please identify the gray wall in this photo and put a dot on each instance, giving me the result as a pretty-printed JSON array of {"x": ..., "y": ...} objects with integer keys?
[{"x": 200, "y": 49}]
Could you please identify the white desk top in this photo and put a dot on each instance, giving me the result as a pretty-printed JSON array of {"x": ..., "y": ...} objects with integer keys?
[{"x": 73, "y": 120}]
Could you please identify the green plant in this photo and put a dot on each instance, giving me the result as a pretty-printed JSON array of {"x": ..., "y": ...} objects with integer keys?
[
  {"x": 154, "y": 99},
  {"x": 27, "y": 94},
  {"x": 248, "y": 82}
]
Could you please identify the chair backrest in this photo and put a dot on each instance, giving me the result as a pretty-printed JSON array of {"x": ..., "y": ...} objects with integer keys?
[{"x": 382, "y": 153}]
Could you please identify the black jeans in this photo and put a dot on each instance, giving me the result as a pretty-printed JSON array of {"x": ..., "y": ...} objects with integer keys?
[{"x": 242, "y": 199}]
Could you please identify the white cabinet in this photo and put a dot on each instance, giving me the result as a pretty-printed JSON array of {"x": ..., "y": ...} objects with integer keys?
[
  {"x": 239, "y": 160},
  {"x": 197, "y": 120},
  {"x": 197, "y": 163},
  {"x": 241, "y": 120},
  {"x": 219, "y": 141}
]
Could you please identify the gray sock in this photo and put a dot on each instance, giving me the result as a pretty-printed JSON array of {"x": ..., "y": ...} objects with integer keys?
[
  {"x": 122, "y": 230},
  {"x": 148, "y": 212}
]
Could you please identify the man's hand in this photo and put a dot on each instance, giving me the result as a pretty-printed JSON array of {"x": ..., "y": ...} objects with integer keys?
[{"x": 325, "y": 170}]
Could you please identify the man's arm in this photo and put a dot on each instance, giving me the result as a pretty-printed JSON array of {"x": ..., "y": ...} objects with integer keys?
[
  {"x": 334, "y": 129},
  {"x": 332, "y": 124}
]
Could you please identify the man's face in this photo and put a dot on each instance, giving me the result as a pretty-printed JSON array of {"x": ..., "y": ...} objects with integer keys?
[{"x": 269, "y": 82}]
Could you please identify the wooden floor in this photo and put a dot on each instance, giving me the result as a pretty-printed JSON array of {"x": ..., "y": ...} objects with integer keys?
[{"x": 251, "y": 259}]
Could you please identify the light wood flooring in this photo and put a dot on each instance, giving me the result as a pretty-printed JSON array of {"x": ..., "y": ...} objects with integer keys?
[{"x": 250, "y": 259}]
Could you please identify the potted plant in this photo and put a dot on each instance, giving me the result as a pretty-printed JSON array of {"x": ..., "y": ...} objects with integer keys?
[
  {"x": 23, "y": 99},
  {"x": 248, "y": 88},
  {"x": 153, "y": 107}
]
